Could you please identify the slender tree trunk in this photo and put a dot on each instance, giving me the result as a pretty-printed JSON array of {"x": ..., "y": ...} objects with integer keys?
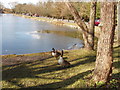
[
  {"x": 104, "y": 60},
  {"x": 118, "y": 22},
  {"x": 92, "y": 23},
  {"x": 81, "y": 24}
]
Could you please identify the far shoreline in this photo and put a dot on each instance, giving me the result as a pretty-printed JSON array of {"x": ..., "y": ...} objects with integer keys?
[{"x": 59, "y": 22}]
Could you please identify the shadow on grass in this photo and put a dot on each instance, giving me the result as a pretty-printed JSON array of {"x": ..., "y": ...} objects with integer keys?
[
  {"x": 23, "y": 71},
  {"x": 19, "y": 71},
  {"x": 116, "y": 76},
  {"x": 27, "y": 62},
  {"x": 56, "y": 68},
  {"x": 116, "y": 52},
  {"x": 117, "y": 47},
  {"x": 87, "y": 59},
  {"x": 116, "y": 64},
  {"x": 64, "y": 83},
  {"x": 38, "y": 61}
]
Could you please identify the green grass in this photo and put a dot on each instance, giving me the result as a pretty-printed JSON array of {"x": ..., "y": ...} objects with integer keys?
[{"x": 48, "y": 74}]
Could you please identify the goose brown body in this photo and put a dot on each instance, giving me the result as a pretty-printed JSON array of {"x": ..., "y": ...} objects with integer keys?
[{"x": 55, "y": 53}]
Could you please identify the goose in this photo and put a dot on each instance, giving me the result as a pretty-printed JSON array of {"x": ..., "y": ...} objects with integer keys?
[
  {"x": 55, "y": 53},
  {"x": 63, "y": 62}
]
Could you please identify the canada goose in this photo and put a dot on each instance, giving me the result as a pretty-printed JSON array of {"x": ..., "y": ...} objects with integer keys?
[
  {"x": 63, "y": 62},
  {"x": 55, "y": 53}
]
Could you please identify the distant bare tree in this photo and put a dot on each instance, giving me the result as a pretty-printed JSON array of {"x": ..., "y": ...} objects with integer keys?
[
  {"x": 13, "y": 4},
  {"x": 1, "y": 6}
]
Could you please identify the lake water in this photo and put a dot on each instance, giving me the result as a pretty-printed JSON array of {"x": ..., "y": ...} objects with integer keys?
[{"x": 21, "y": 35}]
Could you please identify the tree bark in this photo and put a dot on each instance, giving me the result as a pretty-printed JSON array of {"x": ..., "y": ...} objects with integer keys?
[
  {"x": 81, "y": 24},
  {"x": 118, "y": 22},
  {"x": 88, "y": 33},
  {"x": 92, "y": 23},
  {"x": 104, "y": 60}
]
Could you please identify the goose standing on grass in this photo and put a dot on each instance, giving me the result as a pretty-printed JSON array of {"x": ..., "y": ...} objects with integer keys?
[
  {"x": 63, "y": 62},
  {"x": 55, "y": 53}
]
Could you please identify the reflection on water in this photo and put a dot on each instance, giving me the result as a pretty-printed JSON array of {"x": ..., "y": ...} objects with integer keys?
[
  {"x": 34, "y": 34},
  {"x": 20, "y": 36},
  {"x": 74, "y": 34}
]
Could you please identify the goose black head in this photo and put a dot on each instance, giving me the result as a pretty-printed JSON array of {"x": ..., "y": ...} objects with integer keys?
[
  {"x": 53, "y": 50},
  {"x": 62, "y": 53}
]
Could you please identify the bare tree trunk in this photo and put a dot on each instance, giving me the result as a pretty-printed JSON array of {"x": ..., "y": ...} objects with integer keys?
[
  {"x": 118, "y": 22},
  {"x": 104, "y": 60},
  {"x": 81, "y": 24},
  {"x": 88, "y": 34},
  {"x": 92, "y": 23}
]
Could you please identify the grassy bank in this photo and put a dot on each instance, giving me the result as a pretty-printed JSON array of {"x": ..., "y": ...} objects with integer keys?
[
  {"x": 42, "y": 71},
  {"x": 54, "y": 21}
]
